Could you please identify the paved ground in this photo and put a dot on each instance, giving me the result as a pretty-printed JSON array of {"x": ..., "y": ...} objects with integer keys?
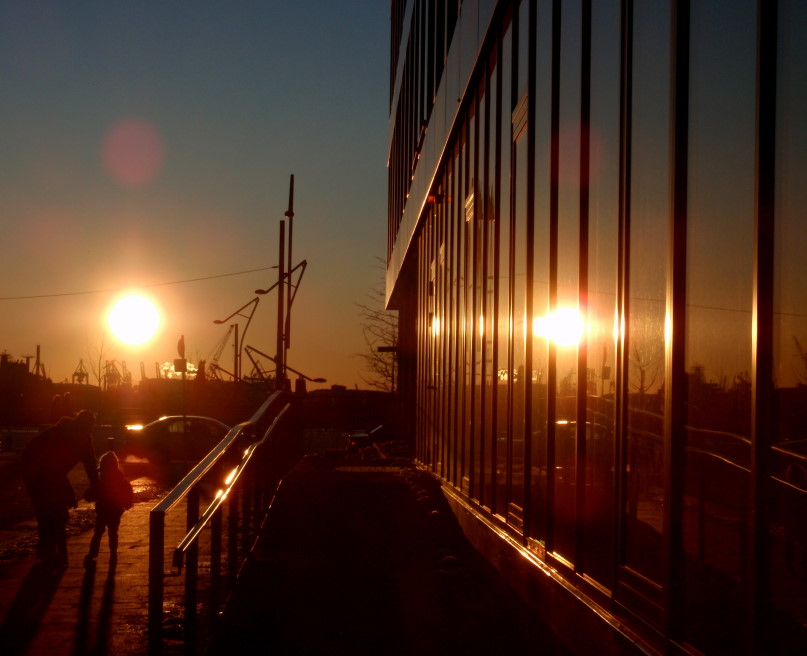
[
  {"x": 365, "y": 557},
  {"x": 357, "y": 556},
  {"x": 79, "y": 611}
]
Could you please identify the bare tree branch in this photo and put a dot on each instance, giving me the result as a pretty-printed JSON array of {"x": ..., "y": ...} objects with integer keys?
[
  {"x": 380, "y": 328},
  {"x": 97, "y": 356}
]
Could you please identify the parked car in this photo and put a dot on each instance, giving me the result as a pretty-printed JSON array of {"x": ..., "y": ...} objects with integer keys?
[
  {"x": 356, "y": 440},
  {"x": 174, "y": 438},
  {"x": 360, "y": 438}
]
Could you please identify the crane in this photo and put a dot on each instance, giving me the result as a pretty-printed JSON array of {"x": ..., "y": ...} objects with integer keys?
[{"x": 215, "y": 354}]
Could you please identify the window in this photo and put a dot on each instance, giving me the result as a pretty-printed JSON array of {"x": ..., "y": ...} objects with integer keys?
[{"x": 644, "y": 338}]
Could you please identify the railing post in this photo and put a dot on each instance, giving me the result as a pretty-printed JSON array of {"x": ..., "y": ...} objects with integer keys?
[
  {"x": 232, "y": 536},
  {"x": 191, "y": 572},
  {"x": 215, "y": 565},
  {"x": 156, "y": 556},
  {"x": 246, "y": 515}
]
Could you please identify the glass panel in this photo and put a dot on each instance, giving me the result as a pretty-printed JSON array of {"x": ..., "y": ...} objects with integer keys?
[
  {"x": 489, "y": 136},
  {"x": 523, "y": 47},
  {"x": 430, "y": 341},
  {"x": 481, "y": 271},
  {"x": 475, "y": 299},
  {"x": 519, "y": 366},
  {"x": 540, "y": 282},
  {"x": 440, "y": 336},
  {"x": 788, "y": 549},
  {"x": 422, "y": 351},
  {"x": 649, "y": 219},
  {"x": 449, "y": 325},
  {"x": 720, "y": 261},
  {"x": 469, "y": 37},
  {"x": 603, "y": 233},
  {"x": 503, "y": 283},
  {"x": 564, "y": 322},
  {"x": 463, "y": 366},
  {"x": 467, "y": 314}
]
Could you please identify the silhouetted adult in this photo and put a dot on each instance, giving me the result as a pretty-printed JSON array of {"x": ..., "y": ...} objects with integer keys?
[{"x": 46, "y": 461}]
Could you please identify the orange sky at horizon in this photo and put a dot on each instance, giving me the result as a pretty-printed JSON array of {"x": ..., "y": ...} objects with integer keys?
[{"x": 150, "y": 149}]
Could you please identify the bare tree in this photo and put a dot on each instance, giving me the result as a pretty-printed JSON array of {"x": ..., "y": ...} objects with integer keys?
[
  {"x": 644, "y": 366},
  {"x": 380, "y": 328},
  {"x": 97, "y": 356}
]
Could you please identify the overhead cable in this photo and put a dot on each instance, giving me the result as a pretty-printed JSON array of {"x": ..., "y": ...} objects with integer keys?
[{"x": 117, "y": 289}]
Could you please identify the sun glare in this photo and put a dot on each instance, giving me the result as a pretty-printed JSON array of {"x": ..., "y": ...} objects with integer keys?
[
  {"x": 134, "y": 319},
  {"x": 564, "y": 326}
]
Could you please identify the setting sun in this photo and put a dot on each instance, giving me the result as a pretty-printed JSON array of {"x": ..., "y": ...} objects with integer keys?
[{"x": 134, "y": 319}]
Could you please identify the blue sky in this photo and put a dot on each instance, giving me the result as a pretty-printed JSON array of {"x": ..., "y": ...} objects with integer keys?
[{"x": 237, "y": 96}]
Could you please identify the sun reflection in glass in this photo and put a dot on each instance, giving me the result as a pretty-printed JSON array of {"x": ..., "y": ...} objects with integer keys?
[{"x": 564, "y": 327}]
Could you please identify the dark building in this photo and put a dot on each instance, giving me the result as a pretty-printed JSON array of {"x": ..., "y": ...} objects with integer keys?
[{"x": 597, "y": 236}]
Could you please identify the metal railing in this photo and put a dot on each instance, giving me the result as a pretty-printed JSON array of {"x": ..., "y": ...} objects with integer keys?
[{"x": 246, "y": 494}]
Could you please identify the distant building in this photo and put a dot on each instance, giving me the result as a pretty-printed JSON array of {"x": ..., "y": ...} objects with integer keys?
[{"x": 597, "y": 245}]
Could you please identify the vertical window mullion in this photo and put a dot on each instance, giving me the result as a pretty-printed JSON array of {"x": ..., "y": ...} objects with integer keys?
[
  {"x": 762, "y": 404},
  {"x": 676, "y": 380}
]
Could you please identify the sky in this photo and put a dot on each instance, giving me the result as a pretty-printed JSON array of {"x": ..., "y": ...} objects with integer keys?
[{"x": 148, "y": 146}]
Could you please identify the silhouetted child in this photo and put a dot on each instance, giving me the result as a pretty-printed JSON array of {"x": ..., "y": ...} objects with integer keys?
[{"x": 114, "y": 495}]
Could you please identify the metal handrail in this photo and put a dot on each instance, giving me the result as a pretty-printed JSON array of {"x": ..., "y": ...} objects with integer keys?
[
  {"x": 222, "y": 494},
  {"x": 188, "y": 487}
]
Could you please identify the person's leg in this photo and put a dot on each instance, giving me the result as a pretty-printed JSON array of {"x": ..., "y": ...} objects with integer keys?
[
  {"x": 60, "y": 536},
  {"x": 95, "y": 541},
  {"x": 44, "y": 547},
  {"x": 114, "y": 524},
  {"x": 47, "y": 536}
]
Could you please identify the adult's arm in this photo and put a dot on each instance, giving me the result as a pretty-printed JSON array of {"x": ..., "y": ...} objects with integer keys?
[{"x": 89, "y": 461}]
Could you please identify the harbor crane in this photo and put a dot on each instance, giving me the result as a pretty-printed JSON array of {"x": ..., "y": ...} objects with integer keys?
[{"x": 215, "y": 354}]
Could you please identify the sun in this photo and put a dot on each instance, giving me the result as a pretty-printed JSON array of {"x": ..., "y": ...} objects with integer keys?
[{"x": 134, "y": 319}]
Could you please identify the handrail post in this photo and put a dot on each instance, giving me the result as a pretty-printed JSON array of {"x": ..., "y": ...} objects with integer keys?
[
  {"x": 156, "y": 555},
  {"x": 246, "y": 515},
  {"x": 232, "y": 536},
  {"x": 215, "y": 564},
  {"x": 191, "y": 572}
]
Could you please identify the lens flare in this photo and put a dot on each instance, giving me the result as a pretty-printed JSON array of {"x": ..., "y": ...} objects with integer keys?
[{"x": 133, "y": 152}]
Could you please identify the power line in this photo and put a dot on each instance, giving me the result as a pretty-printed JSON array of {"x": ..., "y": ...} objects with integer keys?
[{"x": 117, "y": 289}]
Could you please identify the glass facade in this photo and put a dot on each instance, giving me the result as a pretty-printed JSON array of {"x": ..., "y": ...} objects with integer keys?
[{"x": 597, "y": 213}]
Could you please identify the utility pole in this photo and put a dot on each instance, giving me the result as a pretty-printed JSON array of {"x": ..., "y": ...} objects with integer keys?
[
  {"x": 289, "y": 268},
  {"x": 280, "y": 374},
  {"x": 285, "y": 269},
  {"x": 236, "y": 356}
]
